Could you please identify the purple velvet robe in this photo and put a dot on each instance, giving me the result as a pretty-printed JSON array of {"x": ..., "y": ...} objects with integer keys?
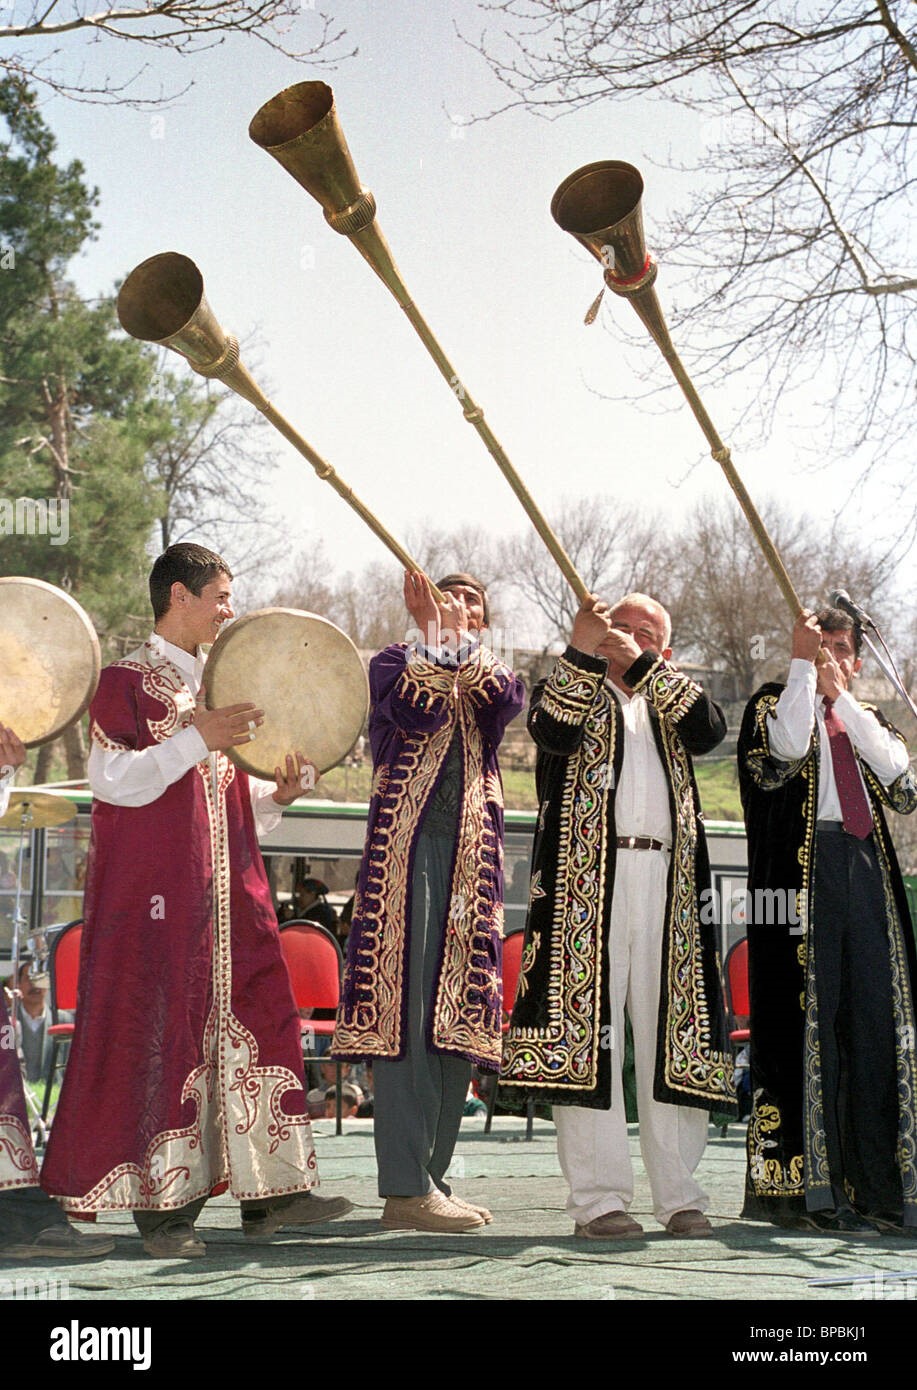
[{"x": 418, "y": 706}]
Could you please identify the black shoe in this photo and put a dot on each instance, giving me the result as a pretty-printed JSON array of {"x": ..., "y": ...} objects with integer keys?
[
  {"x": 844, "y": 1223},
  {"x": 891, "y": 1223}
]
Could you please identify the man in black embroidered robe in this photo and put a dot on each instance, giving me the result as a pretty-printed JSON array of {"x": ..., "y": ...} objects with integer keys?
[
  {"x": 617, "y": 918},
  {"x": 831, "y": 1140}
]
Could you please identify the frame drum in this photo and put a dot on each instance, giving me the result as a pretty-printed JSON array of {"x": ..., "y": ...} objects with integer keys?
[
  {"x": 49, "y": 659},
  {"x": 305, "y": 674}
]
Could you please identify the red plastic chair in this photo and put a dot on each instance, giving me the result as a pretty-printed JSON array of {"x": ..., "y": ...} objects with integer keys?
[
  {"x": 738, "y": 1002},
  {"x": 512, "y": 968},
  {"x": 64, "y": 970},
  {"x": 315, "y": 965}
]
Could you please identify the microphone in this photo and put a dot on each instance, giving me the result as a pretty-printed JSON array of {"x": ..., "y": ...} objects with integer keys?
[{"x": 841, "y": 599}]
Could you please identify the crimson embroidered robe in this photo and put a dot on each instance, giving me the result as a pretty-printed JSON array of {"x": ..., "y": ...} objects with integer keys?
[{"x": 185, "y": 1071}]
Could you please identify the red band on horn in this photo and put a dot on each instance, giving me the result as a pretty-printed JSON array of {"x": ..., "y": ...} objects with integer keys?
[{"x": 630, "y": 279}]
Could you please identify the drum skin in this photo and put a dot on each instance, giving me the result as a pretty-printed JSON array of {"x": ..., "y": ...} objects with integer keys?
[
  {"x": 305, "y": 674},
  {"x": 49, "y": 659}
]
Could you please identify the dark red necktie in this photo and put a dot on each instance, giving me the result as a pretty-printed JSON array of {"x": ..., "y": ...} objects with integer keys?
[{"x": 855, "y": 807}]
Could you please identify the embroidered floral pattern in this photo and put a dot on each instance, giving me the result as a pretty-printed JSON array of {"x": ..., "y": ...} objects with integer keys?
[
  {"x": 569, "y": 692},
  {"x": 17, "y": 1157}
]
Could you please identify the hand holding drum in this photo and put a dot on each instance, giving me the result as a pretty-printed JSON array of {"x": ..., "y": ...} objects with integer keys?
[
  {"x": 229, "y": 727},
  {"x": 12, "y": 750}
]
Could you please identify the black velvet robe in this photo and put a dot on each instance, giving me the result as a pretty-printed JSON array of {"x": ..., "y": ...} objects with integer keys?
[
  {"x": 557, "y": 1046},
  {"x": 787, "y": 1171}
]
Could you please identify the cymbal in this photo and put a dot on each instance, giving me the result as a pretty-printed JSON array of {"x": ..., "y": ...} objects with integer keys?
[{"x": 41, "y": 809}]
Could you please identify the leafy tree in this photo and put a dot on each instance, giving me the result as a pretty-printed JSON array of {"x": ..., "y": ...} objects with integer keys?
[{"x": 74, "y": 409}]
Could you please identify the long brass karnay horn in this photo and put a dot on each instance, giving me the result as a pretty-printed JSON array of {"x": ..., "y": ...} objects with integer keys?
[
  {"x": 162, "y": 301},
  {"x": 600, "y": 206},
  {"x": 300, "y": 128}
]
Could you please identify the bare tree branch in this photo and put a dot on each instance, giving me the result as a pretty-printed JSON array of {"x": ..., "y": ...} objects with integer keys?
[
  {"x": 793, "y": 258},
  {"x": 184, "y": 27}
]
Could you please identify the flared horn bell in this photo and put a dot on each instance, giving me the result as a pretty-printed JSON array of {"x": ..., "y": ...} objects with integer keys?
[
  {"x": 600, "y": 205},
  {"x": 300, "y": 128},
  {"x": 162, "y": 301}
]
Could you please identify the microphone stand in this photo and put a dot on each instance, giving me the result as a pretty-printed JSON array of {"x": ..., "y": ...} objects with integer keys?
[{"x": 889, "y": 669}]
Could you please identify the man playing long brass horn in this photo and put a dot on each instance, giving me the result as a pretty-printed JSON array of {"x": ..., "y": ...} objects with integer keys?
[
  {"x": 422, "y": 990},
  {"x": 832, "y": 1140},
  {"x": 616, "y": 922}
]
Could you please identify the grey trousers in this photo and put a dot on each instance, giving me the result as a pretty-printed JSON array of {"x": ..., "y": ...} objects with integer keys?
[{"x": 418, "y": 1101}]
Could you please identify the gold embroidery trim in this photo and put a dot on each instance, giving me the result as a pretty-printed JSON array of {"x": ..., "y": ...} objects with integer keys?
[{"x": 569, "y": 692}]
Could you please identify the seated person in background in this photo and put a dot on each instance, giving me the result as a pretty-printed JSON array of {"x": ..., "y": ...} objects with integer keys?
[
  {"x": 347, "y": 913},
  {"x": 473, "y": 1104},
  {"x": 309, "y": 899},
  {"x": 351, "y": 1100},
  {"x": 33, "y": 1016}
]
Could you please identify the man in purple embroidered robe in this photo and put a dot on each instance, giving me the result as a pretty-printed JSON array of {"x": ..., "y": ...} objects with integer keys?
[
  {"x": 185, "y": 1072},
  {"x": 32, "y": 1227},
  {"x": 422, "y": 990}
]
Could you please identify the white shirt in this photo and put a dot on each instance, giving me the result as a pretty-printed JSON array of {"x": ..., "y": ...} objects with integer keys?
[
  {"x": 799, "y": 710},
  {"x": 129, "y": 777},
  {"x": 642, "y": 800},
  {"x": 6, "y": 786}
]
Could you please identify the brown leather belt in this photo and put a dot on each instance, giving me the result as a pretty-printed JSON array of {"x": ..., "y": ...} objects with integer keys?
[{"x": 638, "y": 842}]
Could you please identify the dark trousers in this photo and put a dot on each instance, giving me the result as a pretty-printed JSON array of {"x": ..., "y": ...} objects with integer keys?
[
  {"x": 418, "y": 1102},
  {"x": 25, "y": 1212},
  {"x": 149, "y": 1221},
  {"x": 856, "y": 1024}
]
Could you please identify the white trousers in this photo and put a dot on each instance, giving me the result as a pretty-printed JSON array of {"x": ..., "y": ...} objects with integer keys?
[{"x": 592, "y": 1145}]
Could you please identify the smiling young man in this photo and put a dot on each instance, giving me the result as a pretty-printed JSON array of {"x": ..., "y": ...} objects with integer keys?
[
  {"x": 185, "y": 1073},
  {"x": 615, "y": 922},
  {"x": 422, "y": 989},
  {"x": 832, "y": 1141}
]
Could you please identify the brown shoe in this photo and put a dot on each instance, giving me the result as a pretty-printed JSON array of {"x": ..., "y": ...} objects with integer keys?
[
  {"x": 485, "y": 1215},
  {"x": 177, "y": 1240},
  {"x": 689, "y": 1223},
  {"x": 59, "y": 1242},
  {"x": 306, "y": 1209},
  {"x": 435, "y": 1212},
  {"x": 614, "y": 1225}
]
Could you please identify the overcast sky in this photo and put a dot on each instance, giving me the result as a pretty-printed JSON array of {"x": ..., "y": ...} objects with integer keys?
[{"x": 465, "y": 208}]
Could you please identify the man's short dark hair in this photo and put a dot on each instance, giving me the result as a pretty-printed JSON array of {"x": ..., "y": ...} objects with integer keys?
[
  {"x": 186, "y": 564},
  {"x": 836, "y": 620}
]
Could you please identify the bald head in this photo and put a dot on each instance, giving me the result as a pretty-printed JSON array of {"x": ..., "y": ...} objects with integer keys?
[{"x": 644, "y": 617}]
